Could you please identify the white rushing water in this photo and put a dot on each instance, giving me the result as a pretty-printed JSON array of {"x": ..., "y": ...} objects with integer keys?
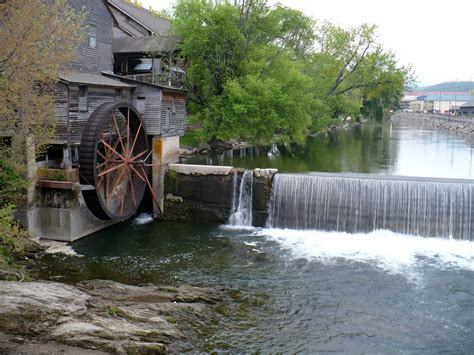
[
  {"x": 359, "y": 203},
  {"x": 241, "y": 214},
  {"x": 390, "y": 251}
]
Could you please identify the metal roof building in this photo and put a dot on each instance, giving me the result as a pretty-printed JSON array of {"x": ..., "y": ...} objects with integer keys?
[{"x": 444, "y": 97}]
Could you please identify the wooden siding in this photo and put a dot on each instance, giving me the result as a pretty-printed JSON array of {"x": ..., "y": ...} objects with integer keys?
[
  {"x": 61, "y": 111},
  {"x": 96, "y": 96},
  {"x": 154, "y": 118},
  {"x": 151, "y": 116},
  {"x": 176, "y": 117},
  {"x": 100, "y": 58}
]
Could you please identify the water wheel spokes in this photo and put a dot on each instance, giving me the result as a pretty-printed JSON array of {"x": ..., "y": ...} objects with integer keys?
[{"x": 113, "y": 154}]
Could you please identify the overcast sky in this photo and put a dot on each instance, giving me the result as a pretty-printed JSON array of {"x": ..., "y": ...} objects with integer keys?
[{"x": 434, "y": 36}]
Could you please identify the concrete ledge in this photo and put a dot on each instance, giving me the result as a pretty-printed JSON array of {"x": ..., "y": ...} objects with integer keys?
[
  {"x": 64, "y": 224},
  {"x": 264, "y": 173},
  {"x": 207, "y": 194},
  {"x": 188, "y": 169}
]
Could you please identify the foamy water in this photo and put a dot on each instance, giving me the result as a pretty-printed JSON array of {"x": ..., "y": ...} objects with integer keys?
[
  {"x": 143, "y": 218},
  {"x": 397, "y": 253},
  {"x": 54, "y": 247}
]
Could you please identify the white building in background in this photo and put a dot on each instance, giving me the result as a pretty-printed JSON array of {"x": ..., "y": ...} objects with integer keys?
[
  {"x": 439, "y": 101},
  {"x": 442, "y": 102}
]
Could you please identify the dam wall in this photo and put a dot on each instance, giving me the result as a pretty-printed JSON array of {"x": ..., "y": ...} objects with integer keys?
[
  {"x": 352, "y": 203},
  {"x": 207, "y": 194},
  {"x": 361, "y": 203}
]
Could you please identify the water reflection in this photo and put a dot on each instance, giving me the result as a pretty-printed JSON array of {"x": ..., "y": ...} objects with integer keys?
[{"x": 379, "y": 149}]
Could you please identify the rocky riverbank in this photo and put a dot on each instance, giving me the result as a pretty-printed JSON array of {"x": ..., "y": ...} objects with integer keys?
[
  {"x": 105, "y": 316},
  {"x": 456, "y": 124}
]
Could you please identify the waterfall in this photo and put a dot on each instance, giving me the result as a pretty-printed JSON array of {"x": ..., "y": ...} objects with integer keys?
[
  {"x": 274, "y": 152},
  {"x": 241, "y": 214},
  {"x": 358, "y": 203},
  {"x": 234, "y": 193}
]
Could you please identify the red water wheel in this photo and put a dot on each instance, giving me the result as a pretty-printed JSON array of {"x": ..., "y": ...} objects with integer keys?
[{"x": 114, "y": 158}]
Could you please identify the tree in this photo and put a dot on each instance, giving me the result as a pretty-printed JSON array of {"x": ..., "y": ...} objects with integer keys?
[
  {"x": 38, "y": 37},
  {"x": 353, "y": 72},
  {"x": 268, "y": 74},
  {"x": 245, "y": 75}
]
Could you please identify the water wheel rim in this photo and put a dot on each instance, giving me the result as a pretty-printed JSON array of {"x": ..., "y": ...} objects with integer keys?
[{"x": 125, "y": 168}]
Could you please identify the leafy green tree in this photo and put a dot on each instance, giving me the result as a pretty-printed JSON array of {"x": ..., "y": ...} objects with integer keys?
[
  {"x": 38, "y": 37},
  {"x": 354, "y": 74},
  {"x": 269, "y": 74},
  {"x": 244, "y": 75}
]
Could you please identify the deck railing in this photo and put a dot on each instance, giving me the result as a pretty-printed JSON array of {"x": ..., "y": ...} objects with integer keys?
[{"x": 175, "y": 80}]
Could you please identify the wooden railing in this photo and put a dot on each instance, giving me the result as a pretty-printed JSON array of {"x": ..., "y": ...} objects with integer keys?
[{"x": 175, "y": 80}]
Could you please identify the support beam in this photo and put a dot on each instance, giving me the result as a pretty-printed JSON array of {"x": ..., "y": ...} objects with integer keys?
[{"x": 165, "y": 151}]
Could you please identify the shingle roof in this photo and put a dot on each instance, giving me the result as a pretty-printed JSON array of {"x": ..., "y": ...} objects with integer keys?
[
  {"x": 92, "y": 79},
  {"x": 145, "y": 44},
  {"x": 152, "y": 22}
]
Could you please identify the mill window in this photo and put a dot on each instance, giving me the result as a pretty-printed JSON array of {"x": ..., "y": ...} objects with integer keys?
[
  {"x": 167, "y": 118},
  {"x": 141, "y": 105},
  {"x": 92, "y": 36},
  {"x": 118, "y": 94},
  {"x": 173, "y": 107},
  {"x": 83, "y": 104}
]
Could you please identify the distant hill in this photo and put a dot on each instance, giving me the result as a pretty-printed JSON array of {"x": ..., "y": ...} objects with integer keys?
[{"x": 449, "y": 86}]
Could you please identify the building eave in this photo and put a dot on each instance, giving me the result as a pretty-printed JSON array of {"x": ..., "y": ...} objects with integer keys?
[
  {"x": 130, "y": 16},
  {"x": 137, "y": 82}
]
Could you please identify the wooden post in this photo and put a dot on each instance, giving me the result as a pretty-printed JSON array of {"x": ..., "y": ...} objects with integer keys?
[
  {"x": 31, "y": 170},
  {"x": 170, "y": 67},
  {"x": 153, "y": 69}
]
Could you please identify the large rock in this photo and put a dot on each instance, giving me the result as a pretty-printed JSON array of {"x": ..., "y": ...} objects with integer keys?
[{"x": 108, "y": 316}]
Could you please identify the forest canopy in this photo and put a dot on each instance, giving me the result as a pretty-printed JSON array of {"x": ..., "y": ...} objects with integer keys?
[{"x": 270, "y": 74}]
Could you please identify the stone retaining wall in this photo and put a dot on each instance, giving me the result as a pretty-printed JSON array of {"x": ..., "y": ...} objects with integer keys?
[
  {"x": 204, "y": 194},
  {"x": 459, "y": 124}
]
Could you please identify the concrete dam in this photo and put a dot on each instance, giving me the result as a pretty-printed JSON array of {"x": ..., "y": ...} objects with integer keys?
[{"x": 353, "y": 203}]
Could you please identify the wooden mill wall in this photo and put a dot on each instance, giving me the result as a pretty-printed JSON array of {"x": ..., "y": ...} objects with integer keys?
[
  {"x": 158, "y": 105},
  {"x": 151, "y": 115},
  {"x": 61, "y": 111},
  {"x": 175, "y": 126},
  {"x": 96, "y": 96},
  {"x": 100, "y": 58}
]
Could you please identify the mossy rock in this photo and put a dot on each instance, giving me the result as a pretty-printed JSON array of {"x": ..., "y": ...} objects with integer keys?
[{"x": 146, "y": 349}]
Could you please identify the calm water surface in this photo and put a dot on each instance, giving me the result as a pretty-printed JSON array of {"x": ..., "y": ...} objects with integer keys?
[
  {"x": 379, "y": 149},
  {"x": 308, "y": 291}
]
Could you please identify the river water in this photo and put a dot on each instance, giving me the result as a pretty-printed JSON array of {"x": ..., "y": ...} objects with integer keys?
[{"x": 307, "y": 290}]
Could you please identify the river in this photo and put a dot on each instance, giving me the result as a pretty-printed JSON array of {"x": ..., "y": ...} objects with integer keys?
[{"x": 307, "y": 291}]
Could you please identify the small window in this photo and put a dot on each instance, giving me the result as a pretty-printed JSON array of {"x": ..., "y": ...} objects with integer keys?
[
  {"x": 92, "y": 36},
  {"x": 141, "y": 104},
  {"x": 118, "y": 94},
  {"x": 167, "y": 118},
  {"x": 173, "y": 107},
  {"x": 83, "y": 104}
]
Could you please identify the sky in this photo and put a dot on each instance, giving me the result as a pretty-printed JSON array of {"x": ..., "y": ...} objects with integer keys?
[{"x": 435, "y": 36}]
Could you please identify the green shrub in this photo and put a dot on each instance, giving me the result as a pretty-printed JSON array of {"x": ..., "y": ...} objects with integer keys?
[{"x": 12, "y": 185}]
